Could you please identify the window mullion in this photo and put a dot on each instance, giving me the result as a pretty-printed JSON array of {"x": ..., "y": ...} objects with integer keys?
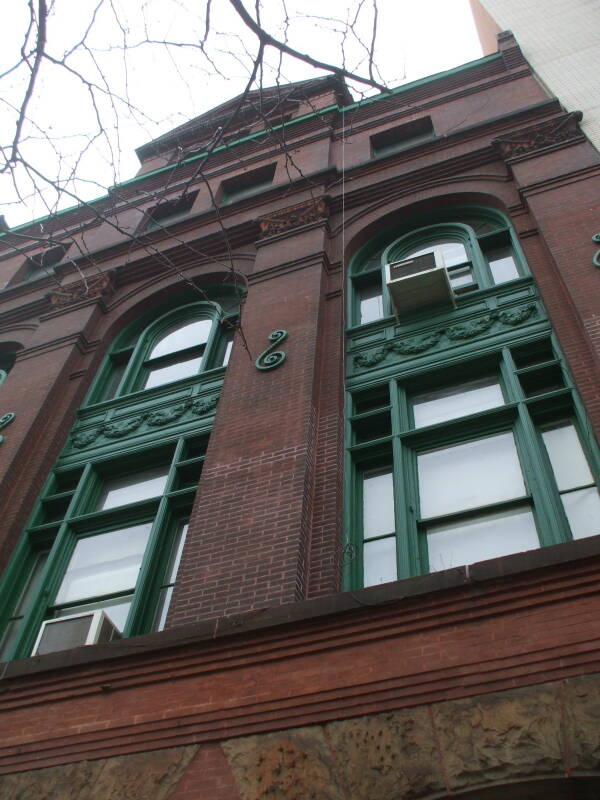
[
  {"x": 143, "y": 606},
  {"x": 352, "y": 546},
  {"x": 548, "y": 510},
  {"x": 407, "y": 553}
]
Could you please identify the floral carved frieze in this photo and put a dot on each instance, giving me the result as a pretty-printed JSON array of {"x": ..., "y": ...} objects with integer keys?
[
  {"x": 535, "y": 137},
  {"x": 120, "y": 429},
  {"x": 287, "y": 219},
  {"x": 90, "y": 288},
  {"x": 462, "y": 331}
]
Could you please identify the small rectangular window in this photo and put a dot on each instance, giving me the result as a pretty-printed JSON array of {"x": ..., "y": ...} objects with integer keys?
[
  {"x": 402, "y": 136},
  {"x": 168, "y": 212},
  {"x": 166, "y": 591},
  {"x": 42, "y": 264},
  {"x": 370, "y": 298},
  {"x": 379, "y": 549},
  {"x": 247, "y": 183},
  {"x": 502, "y": 265},
  {"x": 133, "y": 488},
  {"x": 575, "y": 482},
  {"x": 456, "y": 401}
]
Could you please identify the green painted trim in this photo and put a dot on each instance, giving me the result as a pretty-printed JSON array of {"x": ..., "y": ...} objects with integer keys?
[
  {"x": 406, "y": 87},
  {"x": 520, "y": 414},
  {"x": 271, "y": 358}
]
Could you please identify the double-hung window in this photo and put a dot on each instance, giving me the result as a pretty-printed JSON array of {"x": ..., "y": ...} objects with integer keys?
[{"x": 449, "y": 470}]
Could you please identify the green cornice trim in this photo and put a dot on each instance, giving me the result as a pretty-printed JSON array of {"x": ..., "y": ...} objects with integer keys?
[{"x": 313, "y": 114}]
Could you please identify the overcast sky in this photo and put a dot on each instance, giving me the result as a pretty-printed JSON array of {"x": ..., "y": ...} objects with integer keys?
[{"x": 168, "y": 86}]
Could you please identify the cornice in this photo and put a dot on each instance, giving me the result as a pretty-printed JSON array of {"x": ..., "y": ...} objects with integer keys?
[
  {"x": 406, "y": 111},
  {"x": 78, "y": 340},
  {"x": 293, "y": 265},
  {"x": 549, "y": 184}
]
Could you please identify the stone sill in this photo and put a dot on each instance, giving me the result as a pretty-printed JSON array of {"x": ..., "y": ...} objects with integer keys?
[{"x": 496, "y": 569}]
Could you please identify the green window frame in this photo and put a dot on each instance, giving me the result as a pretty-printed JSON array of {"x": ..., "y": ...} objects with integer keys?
[
  {"x": 62, "y": 537},
  {"x": 71, "y": 513},
  {"x": 492, "y": 257},
  {"x": 126, "y": 368},
  {"x": 386, "y": 439}
]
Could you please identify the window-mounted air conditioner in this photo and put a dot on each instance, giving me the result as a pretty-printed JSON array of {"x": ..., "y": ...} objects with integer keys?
[
  {"x": 419, "y": 282},
  {"x": 62, "y": 633}
]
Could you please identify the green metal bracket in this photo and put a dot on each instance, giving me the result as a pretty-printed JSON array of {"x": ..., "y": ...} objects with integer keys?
[
  {"x": 267, "y": 359},
  {"x": 596, "y": 258},
  {"x": 5, "y": 420}
]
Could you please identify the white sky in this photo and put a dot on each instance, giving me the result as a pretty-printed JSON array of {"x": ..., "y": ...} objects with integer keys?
[{"x": 170, "y": 86}]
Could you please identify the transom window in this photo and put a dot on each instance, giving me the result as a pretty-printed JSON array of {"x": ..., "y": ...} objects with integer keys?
[
  {"x": 463, "y": 470},
  {"x": 479, "y": 250}
]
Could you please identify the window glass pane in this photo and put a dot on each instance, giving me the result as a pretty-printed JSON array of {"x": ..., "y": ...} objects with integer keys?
[
  {"x": 583, "y": 511},
  {"x": 32, "y": 585},
  {"x": 133, "y": 488},
  {"x": 456, "y": 401},
  {"x": 194, "y": 333},
  {"x": 371, "y": 304},
  {"x": 103, "y": 564},
  {"x": 174, "y": 372},
  {"x": 454, "y": 252},
  {"x": 116, "y": 610},
  {"x": 164, "y": 601},
  {"x": 502, "y": 265},
  {"x": 117, "y": 372},
  {"x": 378, "y": 505},
  {"x": 379, "y": 561},
  {"x": 9, "y": 637},
  {"x": 176, "y": 552},
  {"x": 469, "y": 475},
  {"x": 568, "y": 461},
  {"x": 463, "y": 276},
  {"x": 481, "y": 538}
]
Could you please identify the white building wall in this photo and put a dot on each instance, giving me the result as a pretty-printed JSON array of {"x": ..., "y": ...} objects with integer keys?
[{"x": 561, "y": 41}]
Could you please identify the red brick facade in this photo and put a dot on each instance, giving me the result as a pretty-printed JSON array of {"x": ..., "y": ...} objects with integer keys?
[{"x": 262, "y": 636}]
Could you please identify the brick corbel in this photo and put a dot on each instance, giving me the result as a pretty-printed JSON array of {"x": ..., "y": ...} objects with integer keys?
[{"x": 528, "y": 141}]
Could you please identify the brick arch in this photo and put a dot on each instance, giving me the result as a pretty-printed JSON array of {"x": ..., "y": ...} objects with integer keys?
[{"x": 376, "y": 219}]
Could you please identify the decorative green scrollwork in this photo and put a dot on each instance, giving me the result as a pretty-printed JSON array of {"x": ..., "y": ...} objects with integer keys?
[
  {"x": 596, "y": 258},
  {"x": 5, "y": 420},
  {"x": 269, "y": 360},
  {"x": 455, "y": 333}
]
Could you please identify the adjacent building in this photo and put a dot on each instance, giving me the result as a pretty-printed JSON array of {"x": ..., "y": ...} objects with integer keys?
[{"x": 298, "y": 457}]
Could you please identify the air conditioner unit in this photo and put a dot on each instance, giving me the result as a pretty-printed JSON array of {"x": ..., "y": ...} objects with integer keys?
[
  {"x": 62, "y": 633},
  {"x": 419, "y": 282}
]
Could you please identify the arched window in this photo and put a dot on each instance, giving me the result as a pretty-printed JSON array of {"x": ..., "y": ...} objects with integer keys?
[
  {"x": 478, "y": 249},
  {"x": 100, "y": 553},
  {"x": 180, "y": 344},
  {"x": 465, "y": 440}
]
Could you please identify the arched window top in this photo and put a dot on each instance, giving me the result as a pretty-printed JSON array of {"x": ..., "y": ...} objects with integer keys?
[
  {"x": 458, "y": 223},
  {"x": 181, "y": 336},
  {"x": 181, "y": 343},
  {"x": 477, "y": 247}
]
